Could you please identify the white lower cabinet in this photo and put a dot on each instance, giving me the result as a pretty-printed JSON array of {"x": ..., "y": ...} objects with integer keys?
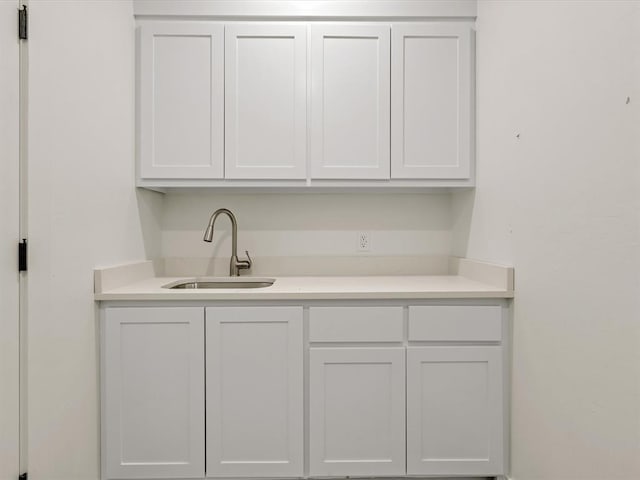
[
  {"x": 357, "y": 411},
  {"x": 393, "y": 390},
  {"x": 153, "y": 393},
  {"x": 454, "y": 410},
  {"x": 254, "y": 392}
]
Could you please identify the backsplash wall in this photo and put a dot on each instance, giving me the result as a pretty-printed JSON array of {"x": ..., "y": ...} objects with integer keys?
[{"x": 308, "y": 225}]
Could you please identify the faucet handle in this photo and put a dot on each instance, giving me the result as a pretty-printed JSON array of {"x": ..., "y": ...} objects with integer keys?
[
  {"x": 249, "y": 261},
  {"x": 245, "y": 264}
]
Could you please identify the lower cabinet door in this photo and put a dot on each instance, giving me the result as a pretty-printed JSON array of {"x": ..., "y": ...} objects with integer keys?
[
  {"x": 153, "y": 393},
  {"x": 254, "y": 392},
  {"x": 454, "y": 411},
  {"x": 357, "y": 411}
]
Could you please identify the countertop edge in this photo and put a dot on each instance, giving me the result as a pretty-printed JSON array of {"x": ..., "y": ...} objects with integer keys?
[{"x": 253, "y": 297}]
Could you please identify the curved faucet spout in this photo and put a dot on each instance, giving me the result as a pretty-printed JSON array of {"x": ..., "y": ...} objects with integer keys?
[
  {"x": 235, "y": 264},
  {"x": 208, "y": 234}
]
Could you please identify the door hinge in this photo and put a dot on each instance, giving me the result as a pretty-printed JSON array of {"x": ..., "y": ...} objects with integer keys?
[
  {"x": 22, "y": 258},
  {"x": 23, "y": 476},
  {"x": 23, "y": 23}
]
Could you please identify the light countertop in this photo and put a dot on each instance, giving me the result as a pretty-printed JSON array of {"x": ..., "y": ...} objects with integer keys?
[{"x": 468, "y": 280}]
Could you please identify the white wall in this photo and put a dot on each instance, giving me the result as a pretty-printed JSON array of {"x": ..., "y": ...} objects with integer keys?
[
  {"x": 84, "y": 212},
  {"x": 561, "y": 204}
]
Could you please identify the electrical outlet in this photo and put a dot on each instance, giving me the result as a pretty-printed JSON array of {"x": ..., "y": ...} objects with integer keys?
[{"x": 363, "y": 242}]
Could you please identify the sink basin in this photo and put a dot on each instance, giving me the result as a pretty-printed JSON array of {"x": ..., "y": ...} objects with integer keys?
[{"x": 220, "y": 282}]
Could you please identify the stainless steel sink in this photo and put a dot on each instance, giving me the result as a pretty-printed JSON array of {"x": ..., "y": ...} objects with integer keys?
[{"x": 221, "y": 282}]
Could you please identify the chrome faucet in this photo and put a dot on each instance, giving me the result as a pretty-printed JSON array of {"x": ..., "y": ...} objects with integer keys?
[{"x": 235, "y": 264}]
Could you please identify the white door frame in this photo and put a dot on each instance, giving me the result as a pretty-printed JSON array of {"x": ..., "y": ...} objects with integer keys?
[{"x": 9, "y": 235}]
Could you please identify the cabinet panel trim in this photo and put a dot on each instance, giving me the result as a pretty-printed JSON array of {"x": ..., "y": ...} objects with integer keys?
[
  {"x": 113, "y": 465},
  {"x": 320, "y": 359},
  {"x": 381, "y": 169},
  {"x": 297, "y": 34},
  {"x": 493, "y": 463},
  {"x": 291, "y": 319},
  {"x": 147, "y": 167},
  {"x": 464, "y": 114}
]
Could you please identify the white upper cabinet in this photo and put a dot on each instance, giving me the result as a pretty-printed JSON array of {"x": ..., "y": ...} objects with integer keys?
[
  {"x": 266, "y": 101},
  {"x": 305, "y": 104},
  {"x": 350, "y": 101},
  {"x": 431, "y": 101},
  {"x": 181, "y": 103}
]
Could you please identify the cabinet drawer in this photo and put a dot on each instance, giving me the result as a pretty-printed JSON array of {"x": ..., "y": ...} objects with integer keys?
[
  {"x": 355, "y": 324},
  {"x": 455, "y": 323}
]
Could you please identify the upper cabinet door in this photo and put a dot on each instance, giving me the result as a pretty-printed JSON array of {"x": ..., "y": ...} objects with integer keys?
[
  {"x": 350, "y": 102},
  {"x": 266, "y": 101},
  {"x": 181, "y": 100},
  {"x": 431, "y": 101}
]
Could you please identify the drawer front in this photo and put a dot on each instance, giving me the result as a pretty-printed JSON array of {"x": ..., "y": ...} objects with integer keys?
[
  {"x": 355, "y": 324},
  {"x": 455, "y": 323}
]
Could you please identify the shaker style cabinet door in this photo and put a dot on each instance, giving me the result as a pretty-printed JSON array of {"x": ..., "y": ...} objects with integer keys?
[
  {"x": 265, "y": 101},
  {"x": 431, "y": 101},
  {"x": 181, "y": 102},
  {"x": 350, "y": 102},
  {"x": 254, "y": 392},
  {"x": 153, "y": 386},
  {"x": 454, "y": 411},
  {"x": 357, "y": 412}
]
